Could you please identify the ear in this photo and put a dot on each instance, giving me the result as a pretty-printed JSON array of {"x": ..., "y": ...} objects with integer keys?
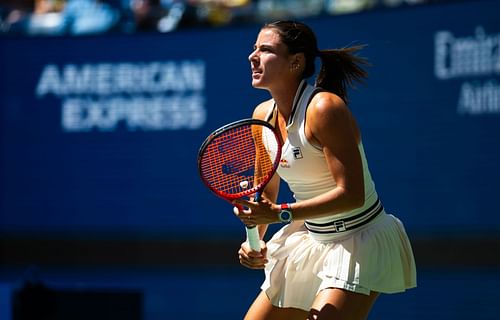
[
  {"x": 300, "y": 58},
  {"x": 297, "y": 60}
]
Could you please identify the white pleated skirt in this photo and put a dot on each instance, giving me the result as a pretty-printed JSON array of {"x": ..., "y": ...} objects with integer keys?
[{"x": 375, "y": 257}]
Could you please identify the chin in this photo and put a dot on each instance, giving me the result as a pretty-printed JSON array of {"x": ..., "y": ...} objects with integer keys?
[{"x": 258, "y": 84}]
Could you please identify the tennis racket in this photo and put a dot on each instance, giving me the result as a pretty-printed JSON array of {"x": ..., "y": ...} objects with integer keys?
[{"x": 238, "y": 160}]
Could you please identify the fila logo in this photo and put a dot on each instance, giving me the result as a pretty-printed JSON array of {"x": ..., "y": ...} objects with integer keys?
[
  {"x": 340, "y": 226},
  {"x": 297, "y": 154}
]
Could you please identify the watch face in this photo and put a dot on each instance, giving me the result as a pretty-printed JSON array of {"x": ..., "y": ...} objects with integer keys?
[{"x": 285, "y": 216}]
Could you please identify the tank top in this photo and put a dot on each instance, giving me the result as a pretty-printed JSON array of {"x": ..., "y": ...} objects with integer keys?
[{"x": 303, "y": 165}]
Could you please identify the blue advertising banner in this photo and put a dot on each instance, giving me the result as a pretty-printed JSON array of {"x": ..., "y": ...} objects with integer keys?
[{"x": 100, "y": 134}]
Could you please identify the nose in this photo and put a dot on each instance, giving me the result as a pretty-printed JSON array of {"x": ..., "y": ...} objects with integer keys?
[{"x": 252, "y": 56}]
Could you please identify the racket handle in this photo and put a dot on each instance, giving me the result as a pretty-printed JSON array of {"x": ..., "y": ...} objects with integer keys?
[
  {"x": 253, "y": 232},
  {"x": 253, "y": 237}
]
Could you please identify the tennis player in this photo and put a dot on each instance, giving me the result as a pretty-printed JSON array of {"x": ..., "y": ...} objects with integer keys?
[{"x": 338, "y": 249}]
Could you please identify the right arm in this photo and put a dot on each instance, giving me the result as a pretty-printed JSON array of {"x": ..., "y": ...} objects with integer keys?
[
  {"x": 271, "y": 191},
  {"x": 248, "y": 258}
]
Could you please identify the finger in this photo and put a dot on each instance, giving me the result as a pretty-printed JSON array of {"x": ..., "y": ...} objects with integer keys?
[
  {"x": 242, "y": 252},
  {"x": 245, "y": 248},
  {"x": 248, "y": 253},
  {"x": 242, "y": 214},
  {"x": 239, "y": 211},
  {"x": 252, "y": 263},
  {"x": 243, "y": 203},
  {"x": 236, "y": 211},
  {"x": 251, "y": 259},
  {"x": 254, "y": 267}
]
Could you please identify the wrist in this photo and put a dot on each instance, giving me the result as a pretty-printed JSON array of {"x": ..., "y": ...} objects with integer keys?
[{"x": 285, "y": 214}]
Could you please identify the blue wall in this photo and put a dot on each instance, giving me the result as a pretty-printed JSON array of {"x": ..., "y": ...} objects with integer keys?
[{"x": 100, "y": 134}]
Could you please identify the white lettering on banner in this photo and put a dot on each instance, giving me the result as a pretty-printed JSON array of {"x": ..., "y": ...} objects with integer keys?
[
  {"x": 156, "y": 113},
  {"x": 141, "y": 96},
  {"x": 479, "y": 98},
  {"x": 465, "y": 57},
  {"x": 470, "y": 57}
]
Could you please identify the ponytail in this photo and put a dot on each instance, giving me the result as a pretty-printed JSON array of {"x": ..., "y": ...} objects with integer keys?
[{"x": 340, "y": 70}]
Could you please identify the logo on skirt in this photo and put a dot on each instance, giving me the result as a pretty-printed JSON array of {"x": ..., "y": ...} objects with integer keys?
[{"x": 339, "y": 226}]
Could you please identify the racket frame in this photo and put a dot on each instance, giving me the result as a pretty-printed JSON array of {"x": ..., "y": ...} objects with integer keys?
[
  {"x": 257, "y": 188},
  {"x": 251, "y": 230}
]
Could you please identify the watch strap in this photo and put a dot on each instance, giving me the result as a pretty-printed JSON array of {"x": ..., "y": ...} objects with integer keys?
[
  {"x": 285, "y": 206},
  {"x": 285, "y": 215}
]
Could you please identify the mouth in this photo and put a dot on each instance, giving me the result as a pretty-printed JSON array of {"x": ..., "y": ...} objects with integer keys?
[{"x": 256, "y": 72}]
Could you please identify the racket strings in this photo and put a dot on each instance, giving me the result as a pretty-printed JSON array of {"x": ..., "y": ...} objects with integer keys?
[
  {"x": 229, "y": 160},
  {"x": 239, "y": 160},
  {"x": 264, "y": 144}
]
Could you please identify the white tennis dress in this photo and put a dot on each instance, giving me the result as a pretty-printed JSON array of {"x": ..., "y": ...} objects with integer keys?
[{"x": 362, "y": 250}]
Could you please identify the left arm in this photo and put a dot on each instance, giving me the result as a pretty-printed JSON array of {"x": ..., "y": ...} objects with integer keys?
[{"x": 329, "y": 124}]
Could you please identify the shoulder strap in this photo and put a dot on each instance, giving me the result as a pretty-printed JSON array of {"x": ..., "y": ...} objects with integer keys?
[{"x": 272, "y": 115}]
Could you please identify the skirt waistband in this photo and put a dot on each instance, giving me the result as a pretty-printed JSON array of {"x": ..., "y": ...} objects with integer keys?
[{"x": 348, "y": 223}]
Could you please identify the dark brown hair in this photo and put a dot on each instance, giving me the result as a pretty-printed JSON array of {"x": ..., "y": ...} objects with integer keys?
[{"x": 340, "y": 68}]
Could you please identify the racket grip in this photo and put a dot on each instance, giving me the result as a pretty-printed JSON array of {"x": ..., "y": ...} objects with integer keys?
[
  {"x": 253, "y": 237},
  {"x": 253, "y": 232}
]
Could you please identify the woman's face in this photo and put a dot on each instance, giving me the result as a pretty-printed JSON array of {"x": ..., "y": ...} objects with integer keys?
[{"x": 270, "y": 60}]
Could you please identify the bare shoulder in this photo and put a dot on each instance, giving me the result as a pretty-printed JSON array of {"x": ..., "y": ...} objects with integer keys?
[
  {"x": 263, "y": 109},
  {"x": 326, "y": 107},
  {"x": 328, "y": 114}
]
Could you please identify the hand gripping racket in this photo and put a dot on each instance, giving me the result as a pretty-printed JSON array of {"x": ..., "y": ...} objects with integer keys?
[{"x": 238, "y": 160}]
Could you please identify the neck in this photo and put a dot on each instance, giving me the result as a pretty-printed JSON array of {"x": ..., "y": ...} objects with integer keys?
[{"x": 284, "y": 99}]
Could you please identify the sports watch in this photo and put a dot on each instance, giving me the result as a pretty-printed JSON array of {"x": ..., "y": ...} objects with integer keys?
[{"x": 285, "y": 215}]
